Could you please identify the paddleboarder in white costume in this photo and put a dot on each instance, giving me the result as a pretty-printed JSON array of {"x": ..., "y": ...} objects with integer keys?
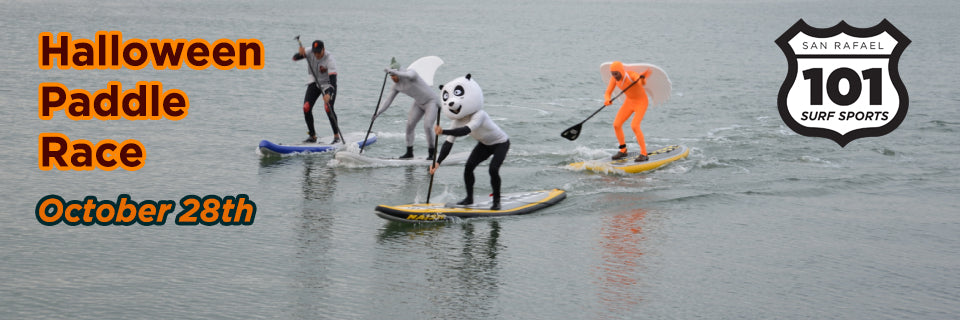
[{"x": 463, "y": 103}]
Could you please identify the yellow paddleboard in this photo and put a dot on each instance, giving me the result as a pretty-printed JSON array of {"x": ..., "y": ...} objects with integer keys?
[
  {"x": 656, "y": 159},
  {"x": 510, "y": 204}
]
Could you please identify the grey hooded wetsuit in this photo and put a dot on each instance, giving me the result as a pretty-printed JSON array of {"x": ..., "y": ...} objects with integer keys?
[{"x": 425, "y": 106}]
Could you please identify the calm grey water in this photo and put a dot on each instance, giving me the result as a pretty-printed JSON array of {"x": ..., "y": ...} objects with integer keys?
[{"x": 757, "y": 223}]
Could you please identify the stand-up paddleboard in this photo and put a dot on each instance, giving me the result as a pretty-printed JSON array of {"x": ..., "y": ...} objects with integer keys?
[
  {"x": 426, "y": 67},
  {"x": 268, "y": 148},
  {"x": 357, "y": 160},
  {"x": 656, "y": 159},
  {"x": 658, "y": 84},
  {"x": 510, "y": 204}
]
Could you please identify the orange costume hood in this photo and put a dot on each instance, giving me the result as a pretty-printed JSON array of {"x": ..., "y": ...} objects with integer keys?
[
  {"x": 627, "y": 78},
  {"x": 617, "y": 66}
]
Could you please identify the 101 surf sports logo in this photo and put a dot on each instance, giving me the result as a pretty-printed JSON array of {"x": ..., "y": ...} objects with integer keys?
[{"x": 843, "y": 82}]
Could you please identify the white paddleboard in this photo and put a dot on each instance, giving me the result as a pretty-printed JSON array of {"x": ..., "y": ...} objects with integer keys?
[
  {"x": 658, "y": 84},
  {"x": 352, "y": 159}
]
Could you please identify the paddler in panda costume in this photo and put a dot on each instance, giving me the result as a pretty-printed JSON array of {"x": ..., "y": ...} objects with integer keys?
[{"x": 462, "y": 102}]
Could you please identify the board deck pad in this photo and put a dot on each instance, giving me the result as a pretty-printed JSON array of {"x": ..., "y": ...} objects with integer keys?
[
  {"x": 656, "y": 159},
  {"x": 267, "y": 148},
  {"x": 510, "y": 204}
]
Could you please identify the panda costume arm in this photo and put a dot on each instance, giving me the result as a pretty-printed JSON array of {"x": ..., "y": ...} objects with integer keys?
[
  {"x": 452, "y": 136},
  {"x": 444, "y": 151},
  {"x": 457, "y": 132},
  {"x": 479, "y": 126},
  {"x": 474, "y": 124},
  {"x": 460, "y": 129}
]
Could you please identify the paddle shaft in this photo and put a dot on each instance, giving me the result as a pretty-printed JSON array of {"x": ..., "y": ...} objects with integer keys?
[
  {"x": 436, "y": 153},
  {"x": 604, "y": 106},
  {"x": 374, "y": 117},
  {"x": 313, "y": 73}
]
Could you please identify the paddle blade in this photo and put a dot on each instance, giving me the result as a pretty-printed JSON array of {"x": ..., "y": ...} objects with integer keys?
[{"x": 573, "y": 132}]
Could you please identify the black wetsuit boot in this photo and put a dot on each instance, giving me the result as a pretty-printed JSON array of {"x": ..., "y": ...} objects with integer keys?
[{"x": 409, "y": 154}]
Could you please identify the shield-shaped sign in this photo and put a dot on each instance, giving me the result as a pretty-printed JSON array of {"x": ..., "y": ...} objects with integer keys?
[{"x": 843, "y": 82}]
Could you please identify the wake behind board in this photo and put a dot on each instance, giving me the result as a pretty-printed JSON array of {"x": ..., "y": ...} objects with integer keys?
[
  {"x": 656, "y": 159},
  {"x": 658, "y": 84},
  {"x": 510, "y": 203},
  {"x": 357, "y": 160},
  {"x": 268, "y": 148}
]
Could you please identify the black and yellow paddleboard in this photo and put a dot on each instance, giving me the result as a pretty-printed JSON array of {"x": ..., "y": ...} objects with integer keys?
[
  {"x": 656, "y": 159},
  {"x": 510, "y": 204}
]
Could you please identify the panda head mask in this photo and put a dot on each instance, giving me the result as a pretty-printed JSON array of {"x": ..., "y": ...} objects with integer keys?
[{"x": 461, "y": 97}]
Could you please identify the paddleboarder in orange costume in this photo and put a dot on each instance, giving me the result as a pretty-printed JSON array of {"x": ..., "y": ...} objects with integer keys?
[{"x": 635, "y": 104}]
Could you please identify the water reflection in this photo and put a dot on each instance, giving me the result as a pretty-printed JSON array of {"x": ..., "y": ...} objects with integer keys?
[
  {"x": 312, "y": 237},
  {"x": 267, "y": 164},
  {"x": 418, "y": 178},
  {"x": 319, "y": 180},
  {"x": 397, "y": 231},
  {"x": 451, "y": 269},
  {"x": 621, "y": 270},
  {"x": 414, "y": 177}
]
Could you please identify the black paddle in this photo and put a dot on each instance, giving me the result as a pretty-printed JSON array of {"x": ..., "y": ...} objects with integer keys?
[
  {"x": 374, "y": 117},
  {"x": 573, "y": 132},
  {"x": 436, "y": 141},
  {"x": 316, "y": 78}
]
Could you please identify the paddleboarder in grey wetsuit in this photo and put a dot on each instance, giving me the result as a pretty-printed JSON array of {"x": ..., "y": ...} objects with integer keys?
[
  {"x": 323, "y": 80},
  {"x": 425, "y": 106}
]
